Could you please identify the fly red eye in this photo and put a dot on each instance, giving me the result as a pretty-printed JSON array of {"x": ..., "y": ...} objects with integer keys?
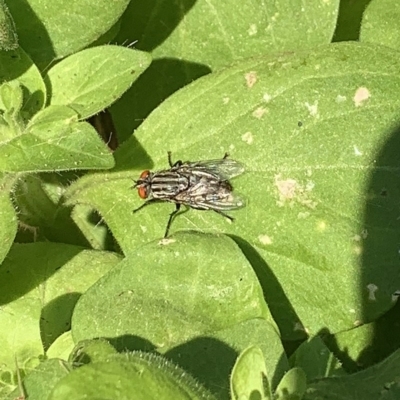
[
  {"x": 142, "y": 191},
  {"x": 144, "y": 175}
]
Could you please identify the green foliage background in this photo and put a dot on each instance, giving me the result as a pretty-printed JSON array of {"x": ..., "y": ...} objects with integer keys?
[{"x": 297, "y": 297}]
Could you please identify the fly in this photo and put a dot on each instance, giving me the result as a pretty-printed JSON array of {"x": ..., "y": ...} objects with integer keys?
[{"x": 202, "y": 185}]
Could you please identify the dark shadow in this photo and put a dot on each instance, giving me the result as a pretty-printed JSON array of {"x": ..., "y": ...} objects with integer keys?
[
  {"x": 349, "y": 20},
  {"x": 209, "y": 360},
  {"x": 131, "y": 343},
  {"x": 380, "y": 244},
  {"x": 348, "y": 364},
  {"x": 27, "y": 266},
  {"x": 104, "y": 125},
  {"x": 109, "y": 243},
  {"x": 147, "y": 23},
  {"x": 380, "y": 264},
  {"x": 131, "y": 155},
  {"x": 32, "y": 34},
  {"x": 55, "y": 318},
  {"x": 63, "y": 228},
  {"x": 51, "y": 221},
  {"x": 279, "y": 305},
  {"x": 386, "y": 338},
  {"x": 163, "y": 78}
]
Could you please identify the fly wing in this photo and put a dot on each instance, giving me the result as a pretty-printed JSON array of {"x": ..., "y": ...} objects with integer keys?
[
  {"x": 224, "y": 168},
  {"x": 231, "y": 201},
  {"x": 211, "y": 194}
]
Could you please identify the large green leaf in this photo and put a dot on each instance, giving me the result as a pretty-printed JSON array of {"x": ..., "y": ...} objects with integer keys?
[
  {"x": 217, "y": 33},
  {"x": 55, "y": 29},
  {"x": 189, "y": 39},
  {"x": 317, "y": 132},
  {"x": 168, "y": 295}
]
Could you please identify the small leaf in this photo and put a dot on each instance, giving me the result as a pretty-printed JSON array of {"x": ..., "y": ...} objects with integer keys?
[
  {"x": 91, "y": 351},
  {"x": 292, "y": 386},
  {"x": 55, "y": 141},
  {"x": 91, "y": 80},
  {"x": 249, "y": 377},
  {"x": 39, "y": 382},
  {"x": 11, "y": 96},
  {"x": 16, "y": 66}
]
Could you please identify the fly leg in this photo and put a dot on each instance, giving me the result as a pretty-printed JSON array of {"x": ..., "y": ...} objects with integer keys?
[
  {"x": 146, "y": 204},
  {"x": 224, "y": 215},
  {"x": 171, "y": 217},
  {"x": 171, "y": 164}
]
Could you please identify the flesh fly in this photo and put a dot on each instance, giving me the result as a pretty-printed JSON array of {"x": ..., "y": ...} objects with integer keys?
[{"x": 202, "y": 185}]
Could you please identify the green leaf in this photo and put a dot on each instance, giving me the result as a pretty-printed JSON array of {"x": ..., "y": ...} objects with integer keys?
[
  {"x": 380, "y": 23},
  {"x": 17, "y": 67},
  {"x": 321, "y": 224},
  {"x": 39, "y": 200},
  {"x": 61, "y": 347},
  {"x": 51, "y": 30},
  {"x": 55, "y": 141},
  {"x": 249, "y": 377},
  {"x": 316, "y": 360},
  {"x": 171, "y": 293},
  {"x": 377, "y": 382},
  {"x": 211, "y": 357},
  {"x": 219, "y": 33},
  {"x": 189, "y": 39},
  {"x": 89, "y": 81},
  {"x": 39, "y": 286},
  {"x": 8, "y": 35},
  {"x": 292, "y": 386},
  {"x": 11, "y": 96},
  {"x": 8, "y": 218},
  {"x": 91, "y": 351},
  {"x": 148, "y": 377},
  {"x": 39, "y": 383},
  {"x": 368, "y": 344}
]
